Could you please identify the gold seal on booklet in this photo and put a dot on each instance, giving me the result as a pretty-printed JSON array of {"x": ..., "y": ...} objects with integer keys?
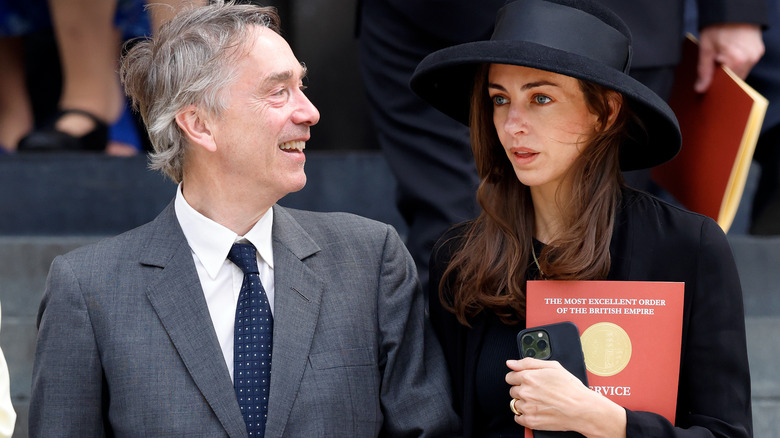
[{"x": 607, "y": 348}]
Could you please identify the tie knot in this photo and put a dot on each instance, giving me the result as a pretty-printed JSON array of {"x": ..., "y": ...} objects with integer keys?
[{"x": 244, "y": 256}]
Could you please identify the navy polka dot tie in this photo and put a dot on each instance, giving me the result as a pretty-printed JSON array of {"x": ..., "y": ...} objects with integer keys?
[{"x": 252, "y": 342}]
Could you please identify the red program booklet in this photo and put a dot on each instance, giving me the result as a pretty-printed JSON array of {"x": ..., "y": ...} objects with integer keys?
[{"x": 631, "y": 332}]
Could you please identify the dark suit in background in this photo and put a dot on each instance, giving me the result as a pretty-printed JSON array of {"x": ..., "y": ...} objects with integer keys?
[
  {"x": 765, "y": 78},
  {"x": 428, "y": 152}
]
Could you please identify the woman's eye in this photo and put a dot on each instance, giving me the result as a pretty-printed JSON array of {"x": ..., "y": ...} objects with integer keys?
[
  {"x": 541, "y": 99},
  {"x": 499, "y": 100}
]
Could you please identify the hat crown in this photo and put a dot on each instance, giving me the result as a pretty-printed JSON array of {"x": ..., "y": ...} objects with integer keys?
[{"x": 588, "y": 35}]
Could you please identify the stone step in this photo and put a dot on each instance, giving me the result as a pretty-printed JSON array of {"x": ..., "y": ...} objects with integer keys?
[
  {"x": 763, "y": 333},
  {"x": 758, "y": 263},
  {"x": 93, "y": 194}
]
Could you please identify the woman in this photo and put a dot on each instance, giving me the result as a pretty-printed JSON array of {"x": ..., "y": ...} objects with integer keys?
[{"x": 554, "y": 119}]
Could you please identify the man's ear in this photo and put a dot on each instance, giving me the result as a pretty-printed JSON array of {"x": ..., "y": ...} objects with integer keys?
[{"x": 197, "y": 127}]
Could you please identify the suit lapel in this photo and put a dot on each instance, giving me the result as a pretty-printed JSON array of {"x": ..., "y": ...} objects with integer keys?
[
  {"x": 177, "y": 297},
  {"x": 298, "y": 294}
]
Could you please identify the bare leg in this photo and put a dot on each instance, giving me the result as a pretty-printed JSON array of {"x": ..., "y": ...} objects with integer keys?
[
  {"x": 89, "y": 48},
  {"x": 16, "y": 117}
]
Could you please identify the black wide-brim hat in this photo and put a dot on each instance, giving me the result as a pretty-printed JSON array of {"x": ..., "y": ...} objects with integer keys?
[{"x": 576, "y": 38}]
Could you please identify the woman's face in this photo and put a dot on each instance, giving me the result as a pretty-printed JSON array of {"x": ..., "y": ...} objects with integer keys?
[{"x": 542, "y": 121}]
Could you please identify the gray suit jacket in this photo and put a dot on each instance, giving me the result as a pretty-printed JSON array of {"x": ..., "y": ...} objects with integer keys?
[{"x": 126, "y": 346}]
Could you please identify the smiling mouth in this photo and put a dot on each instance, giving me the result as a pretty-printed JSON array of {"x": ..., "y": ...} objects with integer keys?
[{"x": 293, "y": 146}]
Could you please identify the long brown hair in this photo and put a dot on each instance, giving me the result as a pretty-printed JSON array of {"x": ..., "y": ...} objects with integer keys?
[{"x": 489, "y": 270}]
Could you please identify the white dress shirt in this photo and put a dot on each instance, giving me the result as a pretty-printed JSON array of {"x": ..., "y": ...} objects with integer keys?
[
  {"x": 7, "y": 413},
  {"x": 220, "y": 279}
]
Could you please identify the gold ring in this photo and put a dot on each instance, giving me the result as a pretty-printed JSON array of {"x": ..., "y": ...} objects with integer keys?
[{"x": 513, "y": 408}]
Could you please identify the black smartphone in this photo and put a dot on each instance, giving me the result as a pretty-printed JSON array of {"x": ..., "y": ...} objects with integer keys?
[{"x": 561, "y": 342}]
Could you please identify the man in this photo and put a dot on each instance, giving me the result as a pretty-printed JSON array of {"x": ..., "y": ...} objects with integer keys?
[{"x": 136, "y": 333}]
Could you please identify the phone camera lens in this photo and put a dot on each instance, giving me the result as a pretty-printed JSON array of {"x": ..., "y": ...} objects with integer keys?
[
  {"x": 542, "y": 344},
  {"x": 530, "y": 352},
  {"x": 527, "y": 340}
]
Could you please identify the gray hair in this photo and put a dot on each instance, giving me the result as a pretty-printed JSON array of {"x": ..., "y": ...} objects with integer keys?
[{"x": 189, "y": 61}]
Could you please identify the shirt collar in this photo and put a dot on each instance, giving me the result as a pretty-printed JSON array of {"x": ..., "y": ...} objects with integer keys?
[{"x": 211, "y": 241}]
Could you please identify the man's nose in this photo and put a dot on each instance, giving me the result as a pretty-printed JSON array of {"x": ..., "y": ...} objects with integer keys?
[{"x": 306, "y": 113}]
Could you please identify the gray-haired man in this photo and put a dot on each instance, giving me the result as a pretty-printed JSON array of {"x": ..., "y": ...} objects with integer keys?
[{"x": 137, "y": 332}]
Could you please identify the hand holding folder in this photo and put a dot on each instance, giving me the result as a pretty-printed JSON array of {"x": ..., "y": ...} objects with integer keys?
[{"x": 720, "y": 129}]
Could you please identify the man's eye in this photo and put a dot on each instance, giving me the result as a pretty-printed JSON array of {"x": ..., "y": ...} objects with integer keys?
[
  {"x": 279, "y": 92},
  {"x": 499, "y": 100},
  {"x": 542, "y": 99}
]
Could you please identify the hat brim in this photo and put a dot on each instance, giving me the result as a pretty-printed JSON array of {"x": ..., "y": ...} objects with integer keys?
[{"x": 445, "y": 79}]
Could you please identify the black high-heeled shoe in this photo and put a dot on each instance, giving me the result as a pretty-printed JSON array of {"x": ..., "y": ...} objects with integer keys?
[{"x": 49, "y": 139}]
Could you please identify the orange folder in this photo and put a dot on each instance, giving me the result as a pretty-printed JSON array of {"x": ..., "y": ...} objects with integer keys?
[
  {"x": 631, "y": 332},
  {"x": 720, "y": 129}
]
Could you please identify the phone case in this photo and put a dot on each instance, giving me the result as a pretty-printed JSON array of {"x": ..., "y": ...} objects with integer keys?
[{"x": 563, "y": 345}]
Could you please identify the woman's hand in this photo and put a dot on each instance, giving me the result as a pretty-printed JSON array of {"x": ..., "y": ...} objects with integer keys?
[{"x": 551, "y": 398}]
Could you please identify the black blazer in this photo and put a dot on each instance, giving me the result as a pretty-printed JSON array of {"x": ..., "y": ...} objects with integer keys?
[
  {"x": 652, "y": 241},
  {"x": 764, "y": 76}
]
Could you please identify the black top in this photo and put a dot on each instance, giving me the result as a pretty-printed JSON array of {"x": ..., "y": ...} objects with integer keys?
[
  {"x": 652, "y": 241},
  {"x": 492, "y": 392},
  {"x": 492, "y": 413}
]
